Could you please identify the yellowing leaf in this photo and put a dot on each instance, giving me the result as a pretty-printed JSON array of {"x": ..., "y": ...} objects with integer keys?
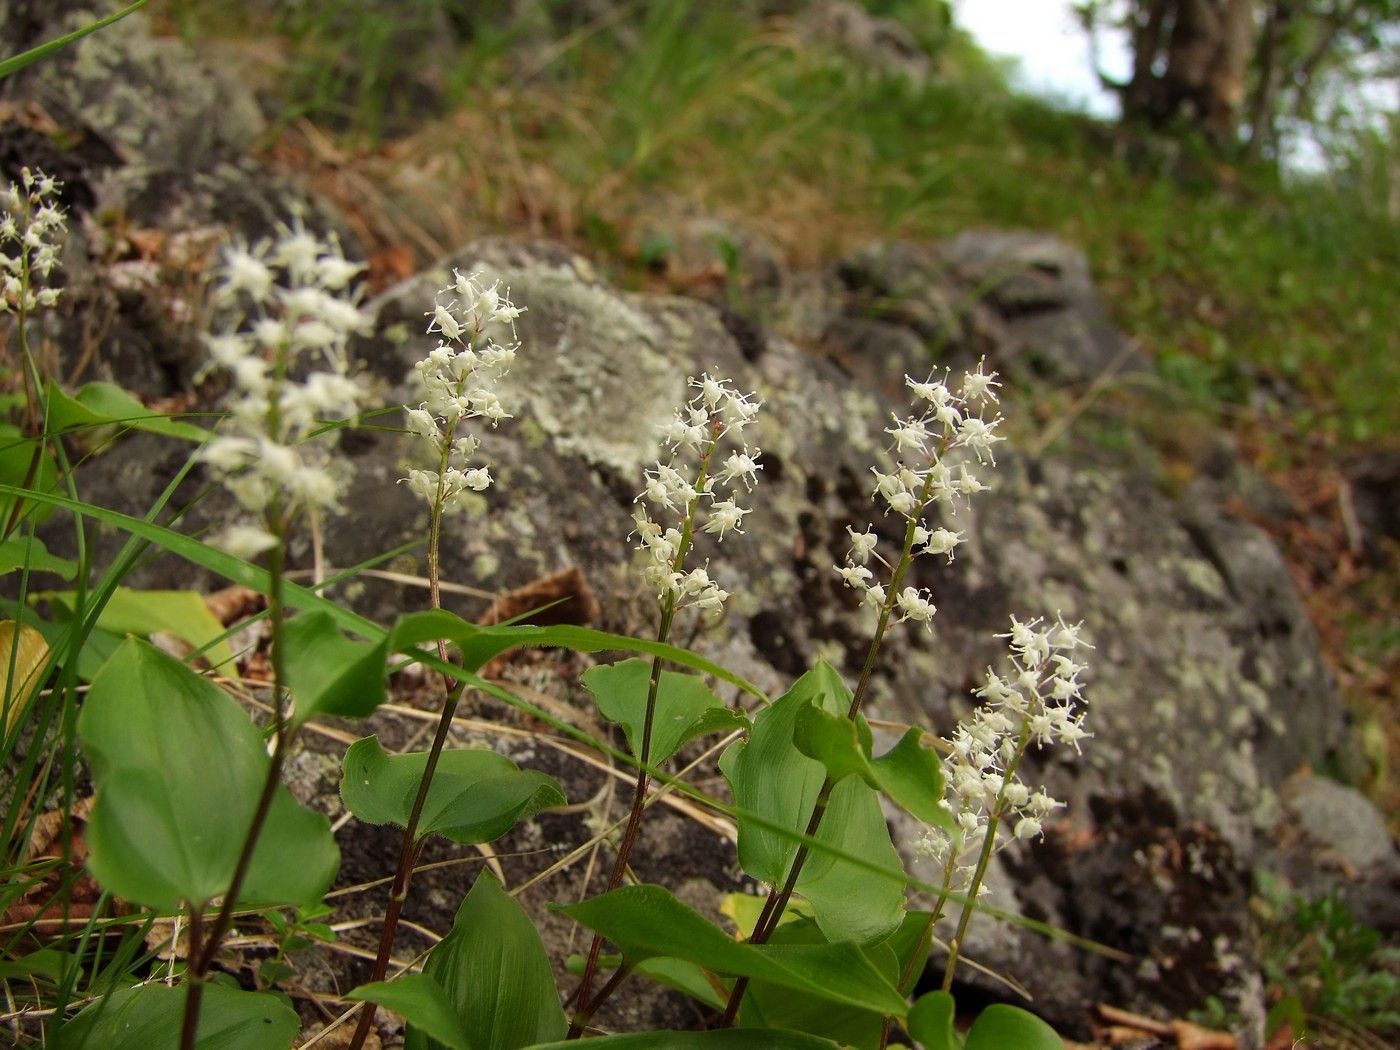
[{"x": 23, "y": 656}]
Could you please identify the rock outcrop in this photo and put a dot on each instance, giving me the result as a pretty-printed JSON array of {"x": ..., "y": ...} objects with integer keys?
[{"x": 1207, "y": 689}]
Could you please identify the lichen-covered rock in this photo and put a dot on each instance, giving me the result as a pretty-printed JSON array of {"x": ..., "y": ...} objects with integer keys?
[
  {"x": 151, "y": 98},
  {"x": 1206, "y": 687}
]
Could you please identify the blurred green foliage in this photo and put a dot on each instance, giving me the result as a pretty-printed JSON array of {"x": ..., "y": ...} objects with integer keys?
[{"x": 1251, "y": 288}]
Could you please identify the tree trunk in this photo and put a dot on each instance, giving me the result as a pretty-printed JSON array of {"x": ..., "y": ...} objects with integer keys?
[
  {"x": 1226, "y": 87},
  {"x": 1190, "y": 60},
  {"x": 1142, "y": 100}
]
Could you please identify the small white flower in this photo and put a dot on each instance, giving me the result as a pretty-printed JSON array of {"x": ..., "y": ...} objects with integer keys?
[
  {"x": 855, "y": 575},
  {"x": 915, "y": 606},
  {"x": 1028, "y": 828},
  {"x": 245, "y": 541},
  {"x": 1027, "y": 705},
  {"x": 459, "y": 379},
  {"x": 740, "y": 466},
  {"x": 932, "y": 390},
  {"x": 275, "y": 310},
  {"x": 862, "y": 545},
  {"x": 875, "y": 596},
  {"x": 423, "y": 423},
  {"x": 942, "y": 541},
  {"x": 723, "y": 517},
  {"x": 297, "y": 251},
  {"x": 679, "y": 487},
  {"x": 448, "y": 325},
  {"x": 1040, "y": 804},
  {"x": 978, "y": 435},
  {"x": 909, "y": 434},
  {"x": 245, "y": 273},
  {"x": 30, "y": 231},
  {"x": 980, "y": 386}
]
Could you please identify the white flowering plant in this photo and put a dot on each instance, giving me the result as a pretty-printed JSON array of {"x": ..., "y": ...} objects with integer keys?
[{"x": 192, "y": 822}]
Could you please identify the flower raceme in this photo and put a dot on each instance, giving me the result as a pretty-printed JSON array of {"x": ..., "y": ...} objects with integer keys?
[
  {"x": 458, "y": 380},
  {"x": 1035, "y": 702},
  {"x": 696, "y": 493},
  {"x": 31, "y": 223},
  {"x": 289, "y": 311},
  {"x": 924, "y": 477}
]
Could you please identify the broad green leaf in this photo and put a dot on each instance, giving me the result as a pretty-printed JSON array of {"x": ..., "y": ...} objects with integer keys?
[
  {"x": 930, "y": 1023},
  {"x": 479, "y": 644},
  {"x": 743, "y": 909},
  {"x": 689, "y": 979},
  {"x": 183, "y": 614},
  {"x": 329, "y": 673},
  {"x": 476, "y": 795},
  {"x": 773, "y": 779},
  {"x": 103, "y": 404},
  {"x": 776, "y": 1007},
  {"x": 420, "y": 1001},
  {"x": 685, "y": 706},
  {"x": 178, "y": 768},
  {"x": 835, "y": 741},
  {"x": 19, "y": 552},
  {"x": 149, "y": 1016},
  {"x": 16, "y": 462},
  {"x": 496, "y": 975},
  {"x": 720, "y": 1039},
  {"x": 296, "y": 857},
  {"x": 648, "y": 922},
  {"x": 912, "y": 776},
  {"x": 1000, "y": 1027},
  {"x": 771, "y": 1006},
  {"x": 45, "y": 964},
  {"x": 850, "y": 902}
]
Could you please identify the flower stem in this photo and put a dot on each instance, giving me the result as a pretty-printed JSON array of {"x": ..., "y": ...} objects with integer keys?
[
  {"x": 639, "y": 794},
  {"x": 984, "y": 859},
  {"x": 202, "y": 956},
  {"x": 773, "y": 908},
  {"x": 629, "y": 834},
  {"x": 411, "y": 845}
]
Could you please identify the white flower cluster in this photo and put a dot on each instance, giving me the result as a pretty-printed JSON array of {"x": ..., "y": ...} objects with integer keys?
[
  {"x": 289, "y": 311},
  {"x": 1034, "y": 704},
  {"x": 716, "y": 411},
  {"x": 30, "y": 225},
  {"x": 459, "y": 379},
  {"x": 922, "y": 478}
]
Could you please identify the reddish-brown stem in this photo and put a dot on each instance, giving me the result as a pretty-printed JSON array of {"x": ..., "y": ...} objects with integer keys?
[
  {"x": 629, "y": 834},
  {"x": 202, "y": 959},
  {"x": 410, "y": 846},
  {"x": 775, "y": 905},
  {"x": 639, "y": 794}
]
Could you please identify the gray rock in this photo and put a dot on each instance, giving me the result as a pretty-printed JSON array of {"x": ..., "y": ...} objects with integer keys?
[
  {"x": 1206, "y": 687},
  {"x": 1339, "y": 820},
  {"x": 152, "y": 99},
  {"x": 874, "y": 44},
  {"x": 1043, "y": 289}
]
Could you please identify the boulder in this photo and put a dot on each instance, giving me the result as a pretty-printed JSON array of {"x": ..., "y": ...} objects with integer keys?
[
  {"x": 1206, "y": 691},
  {"x": 1206, "y": 687}
]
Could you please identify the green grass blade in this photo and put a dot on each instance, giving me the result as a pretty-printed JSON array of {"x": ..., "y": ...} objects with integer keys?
[{"x": 18, "y": 62}]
